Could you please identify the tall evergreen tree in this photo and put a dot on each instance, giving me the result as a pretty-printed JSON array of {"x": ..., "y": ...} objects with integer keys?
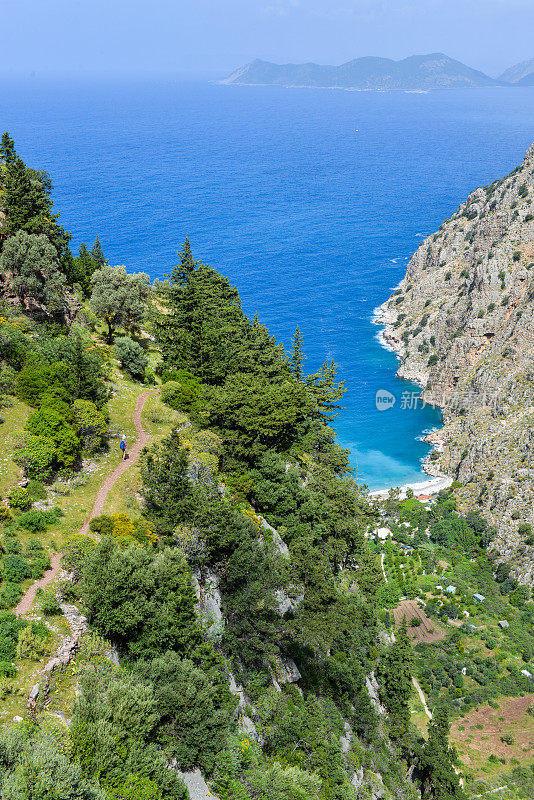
[
  {"x": 438, "y": 776},
  {"x": 298, "y": 356},
  {"x": 395, "y": 672},
  {"x": 26, "y": 201},
  {"x": 326, "y": 390},
  {"x": 7, "y": 149},
  {"x": 183, "y": 271},
  {"x": 97, "y": 254}
]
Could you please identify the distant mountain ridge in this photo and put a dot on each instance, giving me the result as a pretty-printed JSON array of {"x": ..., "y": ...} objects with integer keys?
[
  {"x": 415, "y": 73},
  {"x": 521, "y": 74}
]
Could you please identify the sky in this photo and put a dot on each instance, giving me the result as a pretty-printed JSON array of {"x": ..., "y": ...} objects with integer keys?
[{"x": 210, "y": 38}]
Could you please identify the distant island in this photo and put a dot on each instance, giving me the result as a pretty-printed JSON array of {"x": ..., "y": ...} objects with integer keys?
[
  {"x": 412, "y": 74},
  {"x": 520, "y": 74}
]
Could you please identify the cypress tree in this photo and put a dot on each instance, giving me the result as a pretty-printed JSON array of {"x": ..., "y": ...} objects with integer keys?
[
  {"x": 438, "y": 776},
  {"x": 183, "y": 271},
  {"x": 298, "y": 356},
  {"x": 395, "y": 671},
  {"x": 97, "y": 254}
]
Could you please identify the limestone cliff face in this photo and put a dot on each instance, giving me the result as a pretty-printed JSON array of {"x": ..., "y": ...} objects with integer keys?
[{"x": 462, "y": 321}]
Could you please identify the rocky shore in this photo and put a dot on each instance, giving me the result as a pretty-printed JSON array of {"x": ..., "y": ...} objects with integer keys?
[{"x": 462, "y": 324}]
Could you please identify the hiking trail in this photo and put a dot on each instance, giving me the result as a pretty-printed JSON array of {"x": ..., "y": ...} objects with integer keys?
[{"x": 133, "y": 454}]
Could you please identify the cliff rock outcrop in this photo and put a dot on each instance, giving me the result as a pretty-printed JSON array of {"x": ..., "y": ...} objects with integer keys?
[{"x": 462, "y": 322}]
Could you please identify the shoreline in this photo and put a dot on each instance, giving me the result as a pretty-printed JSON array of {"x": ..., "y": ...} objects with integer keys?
[
  {"x": 431, "y": 486},
  {"x": 384, "y": 317}
]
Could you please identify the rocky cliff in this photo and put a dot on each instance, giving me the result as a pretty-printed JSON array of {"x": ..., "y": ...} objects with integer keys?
[{"x": 462, "y": 322}]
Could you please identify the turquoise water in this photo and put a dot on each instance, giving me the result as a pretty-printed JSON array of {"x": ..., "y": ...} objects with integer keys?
[{"x": 311, "y": 201}]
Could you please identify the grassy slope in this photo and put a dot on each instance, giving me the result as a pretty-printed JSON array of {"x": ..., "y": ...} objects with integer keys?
[{"x": 157, "y": 420}]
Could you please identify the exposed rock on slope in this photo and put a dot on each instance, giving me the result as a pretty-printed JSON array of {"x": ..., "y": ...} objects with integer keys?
[{"x": 462, "y": 321}]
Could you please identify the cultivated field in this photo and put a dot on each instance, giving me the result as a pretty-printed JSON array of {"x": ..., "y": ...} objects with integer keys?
[
  {"x": 480, "y": 734},
  {"x": 427, "y": 631}
]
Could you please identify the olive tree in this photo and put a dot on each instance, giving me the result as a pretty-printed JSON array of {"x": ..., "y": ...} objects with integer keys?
[
  {"x": 30, "y": 267},
  {"x": 119, "y": 298}
]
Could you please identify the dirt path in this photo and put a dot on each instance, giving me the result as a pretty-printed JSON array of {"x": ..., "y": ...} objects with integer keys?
[
  {"x": 422, "y": 697},
  {"x": 382, "y": 557},
  {"x": 133, "y": 454}
]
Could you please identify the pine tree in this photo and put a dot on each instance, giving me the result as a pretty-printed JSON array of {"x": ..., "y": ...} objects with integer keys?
[
  {"x": 182, "y": 272},
  {"x": 7, "y": 149},
  {"x": 326, "y": 390},
  {"x": 395, "y": 671},
  {"x": 438, "y": 776},
  {"x": 298, "y": 356},
  {"x": 97, "y": 254}
]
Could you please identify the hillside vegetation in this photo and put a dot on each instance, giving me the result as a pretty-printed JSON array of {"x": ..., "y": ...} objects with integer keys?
[{"x": 229, "y": 611}]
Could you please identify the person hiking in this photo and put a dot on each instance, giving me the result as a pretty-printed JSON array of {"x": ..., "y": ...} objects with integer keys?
[{"x": 124, "y": 448}]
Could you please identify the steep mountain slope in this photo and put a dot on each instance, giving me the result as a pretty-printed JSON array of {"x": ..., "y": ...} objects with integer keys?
[
  {"x": 462, "y": 321},
  {"x": 518, "y": 72},
  {"x": 432, "y": 71}
]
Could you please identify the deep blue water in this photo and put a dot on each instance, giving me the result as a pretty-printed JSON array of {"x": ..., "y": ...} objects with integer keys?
[{"x": 310, "y": 201}]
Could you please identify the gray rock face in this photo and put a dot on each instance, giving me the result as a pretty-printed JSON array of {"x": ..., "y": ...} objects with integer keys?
[{"x": 462, "y": 322}]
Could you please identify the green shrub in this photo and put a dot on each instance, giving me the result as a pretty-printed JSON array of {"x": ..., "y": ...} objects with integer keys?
[
  {"x": 18, "y": 498},
  {"x": 433, "y": 359},
  {"x": 16, "y": 569},
  {"x": 36, "y": 380},
  {"x": 49, "y": 604},
  {"x": 36, "y": 491},
  {"x": 103, "y": 525},
  {"x": 5, "y": 514},
  {"x": 180, "y": 389},
  {"x": 131, "y": 356},
  {"x": 38, "y": 520},
  {"x": 90, "y": 424},
  {"x": 7, "y": 670},
  {"x": 50, "y": 424},
  {"x": 10, "y": 594},
  {"x": 32, "y": 642},
  {"x": 150, "y": 376},
  {"x": 37, "y": 457}
]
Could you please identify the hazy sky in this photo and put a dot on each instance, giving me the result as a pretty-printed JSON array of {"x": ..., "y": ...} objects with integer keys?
[{"x": 215, "y": 36}]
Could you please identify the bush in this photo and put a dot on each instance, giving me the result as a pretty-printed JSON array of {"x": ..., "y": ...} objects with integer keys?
[
  {"x": 7, "y": 670},
  {"x": 150, "y": 376},
  {"x": 131, "y": 356},
  {"x": 37, "y": 457},
  {"x": 16, "y": 569},
  {"x": 432, "y": 360},
  {"x": 181, "y": 390},
  {"x": 5, "y": 514},
  {"x": 38, "y": 520},
  {"x": 90, "y": 424},
  {"x": 18, "y": 498},
  {"x": 32, "y": 642},
  {"x": 103, "y": 525},
  {"x": 36, "y": 491},
  {"x": 10, "y": 594},
  {"x": 49, "y": 604},
  {"x": 50, "y": 424}
]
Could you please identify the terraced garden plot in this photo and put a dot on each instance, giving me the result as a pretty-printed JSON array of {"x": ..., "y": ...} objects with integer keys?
[
  {"x": 481, "y": 732},
  {"x": 428, "y": 631}
]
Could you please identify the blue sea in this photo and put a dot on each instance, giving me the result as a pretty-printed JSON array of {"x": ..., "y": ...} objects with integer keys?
[{"x": 310, "y": 201}]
